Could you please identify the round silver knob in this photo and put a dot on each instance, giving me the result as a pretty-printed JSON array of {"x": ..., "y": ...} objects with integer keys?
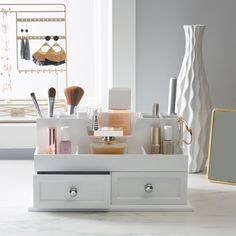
[
  {"x": 148, "y": 188},
  {"x": 73, "y": 192}
]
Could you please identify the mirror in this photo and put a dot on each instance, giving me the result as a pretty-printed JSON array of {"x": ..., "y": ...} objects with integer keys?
[{"x": 222, "y": 147}]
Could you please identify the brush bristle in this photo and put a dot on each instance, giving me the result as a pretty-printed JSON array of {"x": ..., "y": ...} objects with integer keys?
[
  {"x": 52, "y": 92},
  {"x": 73, "y": 95}
]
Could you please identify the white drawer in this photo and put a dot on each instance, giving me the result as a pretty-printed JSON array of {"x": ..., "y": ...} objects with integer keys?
[
  {"x": 143, "y": 188},
  {"x": 72, "y": 191}
]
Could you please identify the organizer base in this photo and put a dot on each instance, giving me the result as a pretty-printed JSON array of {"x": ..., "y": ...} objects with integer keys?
[{"x": 124, "y": 208}]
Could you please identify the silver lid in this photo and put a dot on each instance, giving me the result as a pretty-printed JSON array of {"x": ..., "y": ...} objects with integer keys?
[{"x": 155, "y": 110}]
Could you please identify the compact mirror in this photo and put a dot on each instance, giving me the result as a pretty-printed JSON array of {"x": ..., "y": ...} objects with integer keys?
[{"x": 222, "y": 147}]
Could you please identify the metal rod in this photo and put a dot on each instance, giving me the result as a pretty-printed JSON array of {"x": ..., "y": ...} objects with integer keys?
[
  {"x": 65, "y": 32},
  {"x": 17, "y": 58},
  {"x": 40, "y": 20},
  {"x": 42, "y": 70},
  {"x": 32, "y": 37}
]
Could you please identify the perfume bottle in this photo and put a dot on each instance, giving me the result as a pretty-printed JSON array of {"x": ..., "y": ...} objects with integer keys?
[
  {"x": 155, "y": 140},
  {"x": 109, "y": 141},
  {"x": 65, "y": 143},
  {"x": 93, "y": 114},
  {"x": 168, "y": 143}
]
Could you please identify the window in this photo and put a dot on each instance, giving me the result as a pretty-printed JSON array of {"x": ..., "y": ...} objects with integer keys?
[{"x": 85, "y": 34}]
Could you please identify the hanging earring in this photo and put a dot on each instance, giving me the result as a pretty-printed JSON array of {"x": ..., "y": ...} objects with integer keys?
[
  {"x": 40, "y": 54},
  {"x": 22, "y": 44},
  {"x": 56, "y": 55},
  {"x": 27, "y": 46}
]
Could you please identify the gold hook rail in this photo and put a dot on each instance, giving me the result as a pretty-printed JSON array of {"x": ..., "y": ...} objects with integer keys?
[
  {"x": 39, "y": 37},
  {"x": 43, "y": 70},
  {"x": 40, "y": 19}
]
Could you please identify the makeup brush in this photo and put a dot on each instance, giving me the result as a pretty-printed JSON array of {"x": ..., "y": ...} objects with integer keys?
[
  {"x": 51, "y": 101},
  {"x": 73, "y": 96},
  {"x": 36, "y": 104}
]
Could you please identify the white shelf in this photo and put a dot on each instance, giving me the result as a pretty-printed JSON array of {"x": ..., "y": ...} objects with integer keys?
[{"x": 89, "y": 162}]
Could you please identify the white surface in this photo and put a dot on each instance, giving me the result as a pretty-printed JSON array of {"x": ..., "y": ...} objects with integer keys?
[
  {"x": 124, "y": 46},
  {"x": 16, "y": 135},
  {"x": 53, "y": 191},
  {"x": 214, "y": 212},
  {"x": 193, "y": 101}
]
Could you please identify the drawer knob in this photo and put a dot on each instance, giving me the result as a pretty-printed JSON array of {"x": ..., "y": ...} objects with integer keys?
[
  {"x": 73, "y": 192},
  {"x": 148, "y": 188}
]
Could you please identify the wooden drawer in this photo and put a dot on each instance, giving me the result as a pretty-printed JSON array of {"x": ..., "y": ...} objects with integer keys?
[
  {"x": 72, "y": 191},
  {"x": 143, "y": 188}
]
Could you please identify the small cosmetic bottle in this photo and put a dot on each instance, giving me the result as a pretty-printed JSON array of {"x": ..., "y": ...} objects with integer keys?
[
  {"x": 168, "y": 143},
  {"x": 52, "y": 140},
  {"x": 155, "y": 140},
  {"x": 119, "y": 105},
  {"x": 65, "y": 143}
]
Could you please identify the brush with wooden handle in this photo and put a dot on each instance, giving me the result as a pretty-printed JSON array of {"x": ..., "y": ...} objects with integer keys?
[
  {"x": 51, "y": 101},
  {"x": 73, "y": 96}
]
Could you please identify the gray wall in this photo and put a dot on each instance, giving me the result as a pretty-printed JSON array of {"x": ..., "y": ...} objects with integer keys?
[{"x": 160, "y": 48}]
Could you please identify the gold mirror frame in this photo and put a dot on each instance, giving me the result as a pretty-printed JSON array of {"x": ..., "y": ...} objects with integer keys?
[{"x": 214, "y": 111}]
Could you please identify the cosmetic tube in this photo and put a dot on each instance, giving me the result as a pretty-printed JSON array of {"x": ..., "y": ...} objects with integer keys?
[
  {"x": 155, "y": 140},
  {"x": 52, "y": 148}
]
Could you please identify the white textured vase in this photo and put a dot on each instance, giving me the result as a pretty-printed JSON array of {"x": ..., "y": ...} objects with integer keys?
[{"x": 193, "y": 99}]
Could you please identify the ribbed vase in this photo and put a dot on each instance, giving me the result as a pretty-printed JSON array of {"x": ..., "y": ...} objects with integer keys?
[{"x": 193, "y": 98}]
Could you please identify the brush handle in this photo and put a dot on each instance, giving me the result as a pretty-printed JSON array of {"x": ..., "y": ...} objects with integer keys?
[
  {"x": 36, "y": 104},
  {"x": 71, "y": 109},
  {"x": 172, "y": 96},
  {"x": 51, "y": 101}
]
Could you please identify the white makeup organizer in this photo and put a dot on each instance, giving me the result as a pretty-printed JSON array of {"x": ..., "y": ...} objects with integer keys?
[{"x": 136, "y": 181}]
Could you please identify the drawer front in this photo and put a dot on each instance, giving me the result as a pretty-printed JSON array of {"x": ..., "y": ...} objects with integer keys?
[
  {"x": 135, "y": 188},
  {"x": 72, "y": 191}
]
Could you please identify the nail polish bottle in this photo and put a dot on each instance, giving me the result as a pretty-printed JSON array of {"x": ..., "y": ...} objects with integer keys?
[
  {"x": 168, "y": 143},
  {"x": 65, "y": 143}
]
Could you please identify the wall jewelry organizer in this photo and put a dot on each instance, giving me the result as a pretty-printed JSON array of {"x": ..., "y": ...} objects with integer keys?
[
  {"x": 24, "y": 27},
  {"x": 85, "y": 181},
  {"x": 42, "y": 21}
]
